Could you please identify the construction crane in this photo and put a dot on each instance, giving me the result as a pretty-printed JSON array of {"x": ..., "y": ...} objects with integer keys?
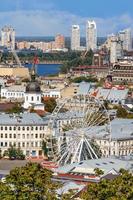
[
  {"x": 83, "y": 55},
  {"x": 16, "y": 57}
]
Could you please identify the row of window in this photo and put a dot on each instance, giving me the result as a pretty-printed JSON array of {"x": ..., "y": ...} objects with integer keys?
[
  {"x": 21, "y": 144},
  {"x": 54, "y": 96},
  {"x": 23, "y": 128},
  {"x": 121, "y": 153},
  {"x": 13, "y": 94},
  {"x": 21, "y": 136},
  {"x": 119, "y": 143},
  {"x": 32, "y": 98}
]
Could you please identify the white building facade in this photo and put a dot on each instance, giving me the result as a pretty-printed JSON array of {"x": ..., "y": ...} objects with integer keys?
[
  {"x": 91, "y": 35},
  {"x": 25, "y": 131},
  {"x": 13, "y": 92},
  {"x": 116, "y": 49},
  {"x": 75, "y": 37},
  {"x": 126, "y": 37}
]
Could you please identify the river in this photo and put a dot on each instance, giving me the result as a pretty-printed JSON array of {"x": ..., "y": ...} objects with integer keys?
[{"x": 46, "y": 69}]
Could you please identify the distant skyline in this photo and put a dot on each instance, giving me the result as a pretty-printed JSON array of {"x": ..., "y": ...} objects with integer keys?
[{"x": 50, "y": 17}]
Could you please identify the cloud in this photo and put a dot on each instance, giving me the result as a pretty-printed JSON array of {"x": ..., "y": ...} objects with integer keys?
[{"x": 49, "y": 22}]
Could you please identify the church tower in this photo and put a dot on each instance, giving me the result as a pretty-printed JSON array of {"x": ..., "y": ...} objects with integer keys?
[{"x": 33, "y": 93}]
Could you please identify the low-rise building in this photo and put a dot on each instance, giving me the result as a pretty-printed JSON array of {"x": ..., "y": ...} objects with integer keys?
[
  {"x": 84, "y": 171},
  {"x": 122, "y": 72},
  {"x": 55, "y": 93},
  {"x": 13, "y": 92},
  {"x": 25, "y": 131},
  {"x": 113, "y": 95}
]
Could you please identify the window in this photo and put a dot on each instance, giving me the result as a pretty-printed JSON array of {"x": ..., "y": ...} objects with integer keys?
[
  {"x": 37, "y": 98},
  {"x": 10, "y": 135},
  {"x": 6, "y": 128},
  {"x": 23, "y": 128},
  {"x": 1, "y": 144},
  {"x": 5, "y": 135},
  {"x": 27, "y": 128},
  {"x": 36, "y": 135},
  {"x": 23, "y": 136},
  {"x": 32, "y": 128},
  {"x": 36, "y": 128},
  {"x": 14, "y": 128},
  {"x": 5, "y": 144},
  {"x": 10, "y": 128},
  {"x": 23, "y": 144},
  {"x": 32, "y": 98},
  {"x": 27, "y": 136},
  {"x": 36, "y": 144},
  {"x": 1, "y": 128},
  {"x": 19, "y": 128},
  {"x": 14, "y": 144},
  {"x": 14, "y": 135},
  {"x": 1, "y": 135},
  {"x": 32, "y": 144}
]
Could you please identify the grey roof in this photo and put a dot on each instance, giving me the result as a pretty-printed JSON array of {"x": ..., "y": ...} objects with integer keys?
[
  {"x": 70, "y": 186},
  {"x": 84, "y": 88},
  {"x": 105, "y": 164},
  {"x": 15, "y": 88},
  {"x": 21, "y": 119},
  {"x": 120, "y": 129},
  {"x": 112, "y": 94}
]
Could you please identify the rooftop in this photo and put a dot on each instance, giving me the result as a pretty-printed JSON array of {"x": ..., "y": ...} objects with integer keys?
[
  {"x": 15, "y": 88},
  {"x": 21, "y": 119},
  {"x": 112, "y": 93},
  {"x": 105, "y": 164}
]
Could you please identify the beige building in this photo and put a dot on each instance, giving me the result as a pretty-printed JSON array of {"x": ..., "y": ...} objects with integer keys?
[
  {"x": 22, "y": 72},
  {"x": 26, "y": 131}
]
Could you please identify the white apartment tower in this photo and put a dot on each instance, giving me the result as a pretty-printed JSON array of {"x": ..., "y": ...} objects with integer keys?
[
  {"x": 75, "y": 37},
  {"x": 91, "y": 35},
  {"x": 126, "y": 37},
  {"x": 116, "y": 49},
  {"x": 8, "y": 37}
]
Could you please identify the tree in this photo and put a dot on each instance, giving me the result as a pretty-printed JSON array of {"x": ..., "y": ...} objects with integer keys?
[
  {"x": 83, "y": 78},
  {"x": 50, "y": 104},
  {"x": 30, "y": 182},
  {"x": 14, "y": 153},
  {"x": 98, "y": 172},
  {"x": 121, "y": 112},
  {"x": 16, "y": 109},
  {"x": 120, "y": 188},
  {"x": 44, "y": 148}
]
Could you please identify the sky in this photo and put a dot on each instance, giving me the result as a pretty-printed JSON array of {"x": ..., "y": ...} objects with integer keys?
[{"x": 50, "y": 17}]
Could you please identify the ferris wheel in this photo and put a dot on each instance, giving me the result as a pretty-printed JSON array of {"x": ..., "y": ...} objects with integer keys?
[{"x": 73, "y": 126}]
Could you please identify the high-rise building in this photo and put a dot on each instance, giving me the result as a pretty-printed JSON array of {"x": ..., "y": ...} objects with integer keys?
[
  {"x": 91, "y": 35},
  {"x": 126, "y": 37},
  {"x": 116, "y": 49},
  {"x": 8, "y": 37},
  {"x": 60, "y": 41},
  {"x": 75, "y": 37}
]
